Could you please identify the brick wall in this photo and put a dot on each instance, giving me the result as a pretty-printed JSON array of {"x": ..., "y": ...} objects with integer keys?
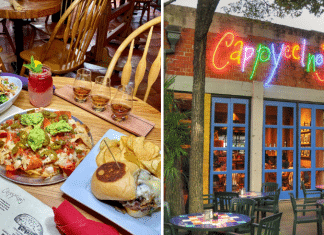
[{"x": 289, "y": 73}]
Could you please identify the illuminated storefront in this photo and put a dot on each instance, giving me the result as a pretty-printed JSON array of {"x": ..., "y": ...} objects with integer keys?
[{"x": 264, "y": 102}]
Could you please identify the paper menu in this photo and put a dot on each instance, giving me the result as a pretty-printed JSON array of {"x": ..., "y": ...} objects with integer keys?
[{"x": 21, "y": 213}]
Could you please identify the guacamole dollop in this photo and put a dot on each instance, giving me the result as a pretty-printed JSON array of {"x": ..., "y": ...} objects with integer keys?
[
  {"x": 36, "y": 138},
  {"x": 34, "y": 119},
  {"x": 58, "y": 127}
]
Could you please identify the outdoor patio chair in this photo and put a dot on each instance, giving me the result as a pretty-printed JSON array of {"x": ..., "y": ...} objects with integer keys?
[
  {"x": 244, "y": 206},
  {"x": 67, "y": 55},
  {"x": 209, "y": 202},
  {"x": 317, "y": 218},
  {"x": 168, "y": 227},
  {"x": 269, "y": 225},
  {"x": 311, "y": 195},
  {"x": 270, "y": 187},
  {"x": 222, "y": 200},
  {"x": 269, "y": 205},
  {"x": 141, "y": 66}
]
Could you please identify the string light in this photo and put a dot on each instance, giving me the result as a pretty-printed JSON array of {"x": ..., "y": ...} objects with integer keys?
[
  {"x": 239, "y": 53},
  {"x": 227, "y": 45},
  {"x": 276, "y": 62},
  {"x": 319, "y": 60},
  {"x": 302, "y": 59},
  {"x": 229, "y": 49},
  {"x": 310, "y": 61},
  {"x": 248, "y": 53},
  {"x": 295, "y": 48}
]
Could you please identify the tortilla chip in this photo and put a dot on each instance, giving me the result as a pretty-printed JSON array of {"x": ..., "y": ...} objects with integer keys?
[
  {"x": 85, "y": 139},
  {"x": 153, "y": 166},
  {"x": 111, "y": 143},
  {"x": 145, "y": 151}
]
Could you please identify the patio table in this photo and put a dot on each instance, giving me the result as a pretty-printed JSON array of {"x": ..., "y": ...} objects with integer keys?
[
  {"x": 51, "y": 195},
  {"x": 255, "y": 195},
  {"x": 225, "y": 222},
  {"x": 320, "y": 187}
]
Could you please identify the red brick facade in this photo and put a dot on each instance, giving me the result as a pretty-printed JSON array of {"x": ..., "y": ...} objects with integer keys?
[{"x": 289, "y": 72}]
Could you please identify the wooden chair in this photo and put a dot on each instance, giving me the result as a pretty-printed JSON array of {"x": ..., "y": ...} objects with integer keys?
[
  {"x": 156, "y": 5},
  {"x": 6, "y": 32},
  {"x": 68, "y": 54},
  {"x": 2, "y": 66},
  {"x": 317, "y": 218},
  {"x": 143, "y": 5},
  {"x": 244, "y": 206},
  {"x": 47, "y": 27},
  {"x": 269, "y": 205},
  {"x": 141, "y": 67}
]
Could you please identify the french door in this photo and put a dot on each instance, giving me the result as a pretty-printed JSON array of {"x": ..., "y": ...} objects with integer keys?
[
  {"x": 279, "y": 146},
  {"x": 293, "y": 146},
  {"x": 311, "y": 145},
  {"x": 229, "y": 144}
]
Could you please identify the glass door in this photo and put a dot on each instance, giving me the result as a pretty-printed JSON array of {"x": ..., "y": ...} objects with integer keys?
[
  {"x": 311, "y": 146},
  {"x": 279, "y": 145},
  {"x": 229, "y": 144}
]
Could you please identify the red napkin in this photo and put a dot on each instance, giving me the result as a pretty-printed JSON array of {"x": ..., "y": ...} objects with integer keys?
[{"x": 72, "y": 222}]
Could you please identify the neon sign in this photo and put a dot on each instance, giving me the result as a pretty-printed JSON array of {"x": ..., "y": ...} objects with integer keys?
[{"x": 231, "y": 51}]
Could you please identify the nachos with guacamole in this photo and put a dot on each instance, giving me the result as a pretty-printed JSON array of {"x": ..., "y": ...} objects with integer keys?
[{"x": 43, "y": 143}]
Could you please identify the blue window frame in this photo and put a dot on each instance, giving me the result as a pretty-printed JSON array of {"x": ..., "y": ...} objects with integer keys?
[
  {"x": 311, "y": 145},
  {"x": 279, "y": 146},
  {"x": 229, "y": 144}
]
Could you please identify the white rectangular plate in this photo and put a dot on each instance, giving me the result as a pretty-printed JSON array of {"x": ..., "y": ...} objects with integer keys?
[{"x": 78, "y": 186}]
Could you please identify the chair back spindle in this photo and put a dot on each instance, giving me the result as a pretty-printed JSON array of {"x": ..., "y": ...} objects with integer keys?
[
  {"x": 141, "y": 67},
  {"x": 127, "y": 70},
  {"x": 153, "y": 74}
]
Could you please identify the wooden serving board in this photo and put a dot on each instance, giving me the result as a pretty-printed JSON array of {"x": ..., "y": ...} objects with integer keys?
[{"x": 134, "y": 124}]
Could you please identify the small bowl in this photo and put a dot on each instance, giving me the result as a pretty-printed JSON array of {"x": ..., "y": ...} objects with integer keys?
[{"x": 18, "y": 83}]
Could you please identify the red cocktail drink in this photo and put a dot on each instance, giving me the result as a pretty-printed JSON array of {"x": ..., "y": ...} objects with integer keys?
[{"x": 40, "y": 87}]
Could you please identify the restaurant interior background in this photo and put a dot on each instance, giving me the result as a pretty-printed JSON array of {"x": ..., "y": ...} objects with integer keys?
[
  {"x": 263, "y": 101},
  {"x": 98, "y": 67}
]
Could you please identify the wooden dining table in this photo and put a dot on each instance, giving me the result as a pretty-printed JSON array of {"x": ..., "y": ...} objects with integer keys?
[
  {"x": 32, "y": 9},
  {"x": 51, "y": 195}
]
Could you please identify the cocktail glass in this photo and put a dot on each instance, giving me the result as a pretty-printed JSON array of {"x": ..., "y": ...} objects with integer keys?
[{"x": 40, "y": 87}]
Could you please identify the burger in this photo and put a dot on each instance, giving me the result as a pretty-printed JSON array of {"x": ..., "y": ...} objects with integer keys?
[{"x": 137, "y": 190}]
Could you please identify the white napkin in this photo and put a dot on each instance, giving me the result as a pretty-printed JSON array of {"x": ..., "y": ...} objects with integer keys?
[{"x": 13, "y": 109}]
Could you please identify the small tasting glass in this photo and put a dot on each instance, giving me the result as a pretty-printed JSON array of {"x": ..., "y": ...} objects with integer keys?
[
  {"x": 82, "y": 85},
  {"x": 122, "y": 103},
  {"x": 100, "y": 94}
]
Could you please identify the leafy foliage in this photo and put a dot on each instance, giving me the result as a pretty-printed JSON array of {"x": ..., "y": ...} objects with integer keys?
[
  {"x": 35, "y": 65},
  {"x": 262, "y": 9},
  {"x": 176, "y": 133}
]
